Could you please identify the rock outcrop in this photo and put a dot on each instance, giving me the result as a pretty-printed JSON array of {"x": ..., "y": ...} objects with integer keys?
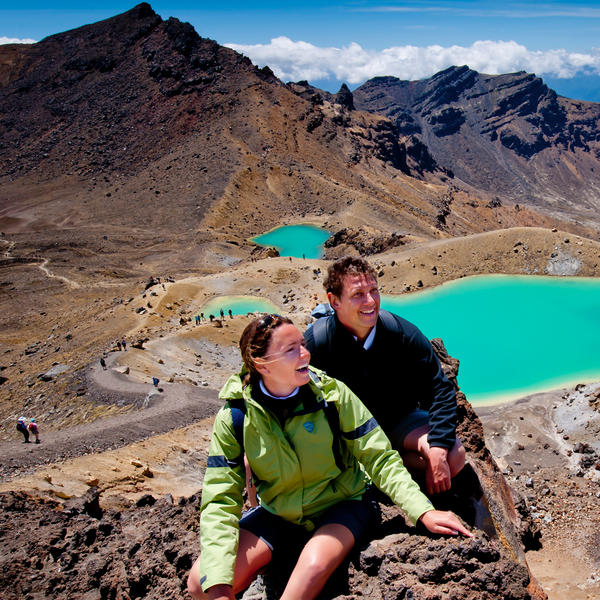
[
  {"x": 362, "y": 241},
  {"x": 81, "y": 548}
]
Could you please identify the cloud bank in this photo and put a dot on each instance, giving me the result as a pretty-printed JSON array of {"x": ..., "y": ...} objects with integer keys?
[
  {"x": 7, "y": 40},
  {"x": 291, "y": 60}
]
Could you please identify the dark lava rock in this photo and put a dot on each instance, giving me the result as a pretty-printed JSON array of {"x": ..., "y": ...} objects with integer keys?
[
  {"x": 344, "y": 97},
  {"x": 363, "y": 241},
  {"x": 486, "y": 129}
]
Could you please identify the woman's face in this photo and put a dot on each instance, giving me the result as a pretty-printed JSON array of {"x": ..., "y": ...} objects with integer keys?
[{"x": 285, "y": 365}]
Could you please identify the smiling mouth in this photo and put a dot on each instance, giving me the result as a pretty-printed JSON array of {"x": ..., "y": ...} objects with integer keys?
[{"x": 302, "y": 369}]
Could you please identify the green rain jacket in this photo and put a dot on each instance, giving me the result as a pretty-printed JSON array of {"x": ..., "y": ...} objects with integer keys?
[{"x": 294, "y": 468}]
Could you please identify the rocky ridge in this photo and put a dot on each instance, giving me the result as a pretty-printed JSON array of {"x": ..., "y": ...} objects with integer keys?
[{"x": 509, "y": 135}]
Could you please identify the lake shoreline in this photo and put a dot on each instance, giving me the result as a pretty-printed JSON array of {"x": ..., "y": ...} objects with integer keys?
[{"x": 535, "y": 441}]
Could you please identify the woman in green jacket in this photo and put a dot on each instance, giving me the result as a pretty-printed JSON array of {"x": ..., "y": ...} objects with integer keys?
[{"x": 305, "y": 464}]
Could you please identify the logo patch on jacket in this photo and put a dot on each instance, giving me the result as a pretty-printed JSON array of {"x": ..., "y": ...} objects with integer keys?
[{"x": 309, "y": 426}]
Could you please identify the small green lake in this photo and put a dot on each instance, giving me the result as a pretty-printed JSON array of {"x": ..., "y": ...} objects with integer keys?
[
  {"x": 300, "y": 241},
  {"x": 239, "y": 305},
  {"x": 514, "y": 335}
]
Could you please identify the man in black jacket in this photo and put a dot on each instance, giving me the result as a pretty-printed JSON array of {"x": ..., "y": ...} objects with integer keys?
[{"x": 390, "y": 365}]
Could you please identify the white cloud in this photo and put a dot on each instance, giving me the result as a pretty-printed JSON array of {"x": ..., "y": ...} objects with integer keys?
[
  {"x": 291, "y": 60},
  {"x": 7, "y": 40}
]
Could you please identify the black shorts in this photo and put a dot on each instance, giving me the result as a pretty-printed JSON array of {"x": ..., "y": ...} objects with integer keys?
[
  {"x": 417, "y": 418},
  {"x": 357, "y": 515}
]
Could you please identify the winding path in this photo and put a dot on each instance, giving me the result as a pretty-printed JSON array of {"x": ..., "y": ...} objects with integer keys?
[{"x": 177, "y": 406}]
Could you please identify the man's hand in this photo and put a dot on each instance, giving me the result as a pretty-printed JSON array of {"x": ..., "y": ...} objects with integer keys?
[
  {"x": 437, "y": 475},
  {"x": 443, "y": 522}
]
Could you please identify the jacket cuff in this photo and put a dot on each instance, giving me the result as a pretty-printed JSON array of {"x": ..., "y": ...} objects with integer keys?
[{"x": 420, "y": 509}]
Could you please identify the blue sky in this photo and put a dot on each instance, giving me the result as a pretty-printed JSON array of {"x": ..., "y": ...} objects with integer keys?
[{"x": 352, "y": 40}]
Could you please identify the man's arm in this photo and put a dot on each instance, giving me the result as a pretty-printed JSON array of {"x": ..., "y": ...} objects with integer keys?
[{"x": 438, "y": 393}]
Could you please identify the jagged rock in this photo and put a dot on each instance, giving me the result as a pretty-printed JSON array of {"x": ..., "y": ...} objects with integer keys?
[
  {"x": 151, "y": 282},
  {"x": 485, "y": 129},
  {"x": 344, "y": 97},
  {"x": 363, "y": 240},
  {"x": 52, "y": 373},
  {"x": 139, "y": 343},
  {"x": 260, "y": 252}
]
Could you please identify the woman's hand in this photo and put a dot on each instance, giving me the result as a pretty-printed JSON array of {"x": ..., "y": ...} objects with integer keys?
[{"x": 443, "y": 522}]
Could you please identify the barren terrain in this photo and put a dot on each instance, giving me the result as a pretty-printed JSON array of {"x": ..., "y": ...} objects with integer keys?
[
  {"x": 137, "y": 160},
  {"x": 115, "y": 432}
]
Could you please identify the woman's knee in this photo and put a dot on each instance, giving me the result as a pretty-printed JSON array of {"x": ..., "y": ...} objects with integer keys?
[
  {"x": 193, "y": 582},
  {"x": 328, "y": 548}
]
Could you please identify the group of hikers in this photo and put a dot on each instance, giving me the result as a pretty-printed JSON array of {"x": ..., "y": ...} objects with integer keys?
[
  {"x": 200, "y": 318},
  {"x": 28, "y": 428},
  {"x": 310, "y": 423}
]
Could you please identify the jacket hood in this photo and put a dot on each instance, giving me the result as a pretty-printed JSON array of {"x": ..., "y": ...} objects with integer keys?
[{"x": 233, "y": 388}]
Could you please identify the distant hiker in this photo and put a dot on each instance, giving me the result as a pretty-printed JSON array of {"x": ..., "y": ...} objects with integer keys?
[
  {"x": 155, "y": 381},
  {"x": 202, "y": 317},
  {"x": 33, "y": 429},
  {"x": 303, "y": 255},
  {"x": 23, "y": 429},
  {"x": 222, "y": 313},
  {"x": 119, "y": 345},
  {"x": 315, "y": 449},
  {"x": 230, "y": 314},
  {"x": 197, "y": 317},
  {"x": 124, "y": 344},
  {"x": 211, "y": 317},
  {"x": 375, "y": 352},
  {"x": 103, "y": 362}
]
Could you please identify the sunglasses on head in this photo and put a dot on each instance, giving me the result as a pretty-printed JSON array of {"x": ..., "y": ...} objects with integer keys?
[{"x": 267, "y": 321}]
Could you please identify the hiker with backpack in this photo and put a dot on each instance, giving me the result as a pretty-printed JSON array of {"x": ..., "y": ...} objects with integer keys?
[
  {"x": 391, "y": 366},
  {"x": 22, "y": 427},
  {"x": 305, "y": 436},
  {"x": 34, "y": 430}
]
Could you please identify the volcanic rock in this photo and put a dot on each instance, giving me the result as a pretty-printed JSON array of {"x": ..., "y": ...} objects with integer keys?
[{"x": 506, "y": 134}]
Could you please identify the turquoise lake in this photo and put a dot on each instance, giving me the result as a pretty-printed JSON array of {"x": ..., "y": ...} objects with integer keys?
[
  {"x": 513, "y": 335},
  {"x": 239, "y": 305},
  {"x": 295, "y": 240}
]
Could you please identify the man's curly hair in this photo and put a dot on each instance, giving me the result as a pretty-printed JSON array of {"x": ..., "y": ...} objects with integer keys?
[{"x": 349, "y": 265}]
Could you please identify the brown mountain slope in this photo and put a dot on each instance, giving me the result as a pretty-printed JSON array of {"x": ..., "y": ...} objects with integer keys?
[
  {"x": 138, "y": 129},
  {"x": 133, "y": 147},
  {"x": 508, "y": 135}
]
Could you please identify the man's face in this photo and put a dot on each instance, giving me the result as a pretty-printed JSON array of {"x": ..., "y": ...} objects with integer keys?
[{"x": 358, "y": 306}]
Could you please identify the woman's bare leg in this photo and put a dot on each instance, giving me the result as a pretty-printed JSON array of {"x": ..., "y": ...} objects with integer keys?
[
  {"x": 321, "y": 556},
  {"x": 252, "y": 555}
]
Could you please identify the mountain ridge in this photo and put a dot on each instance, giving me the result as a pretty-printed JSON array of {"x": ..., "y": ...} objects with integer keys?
[{"x": 506, "y": 134}]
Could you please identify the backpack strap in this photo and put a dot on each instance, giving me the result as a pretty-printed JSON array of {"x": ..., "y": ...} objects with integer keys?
[
  {"x": 321, "y": 337},
  {"x": 389, "y": 321},
  {"x": 238, "y": 413}
]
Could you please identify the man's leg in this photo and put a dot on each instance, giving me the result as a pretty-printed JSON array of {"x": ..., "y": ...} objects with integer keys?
[
  {"x": 440, "y": 465},
  {"x": 252, "y": 555},
  {"x": 321, "y": 556}
]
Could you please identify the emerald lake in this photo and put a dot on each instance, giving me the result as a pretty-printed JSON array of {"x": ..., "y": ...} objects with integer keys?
[
  {"x": 513, "y": 335},
  {"x": 295, "y": 240}
]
